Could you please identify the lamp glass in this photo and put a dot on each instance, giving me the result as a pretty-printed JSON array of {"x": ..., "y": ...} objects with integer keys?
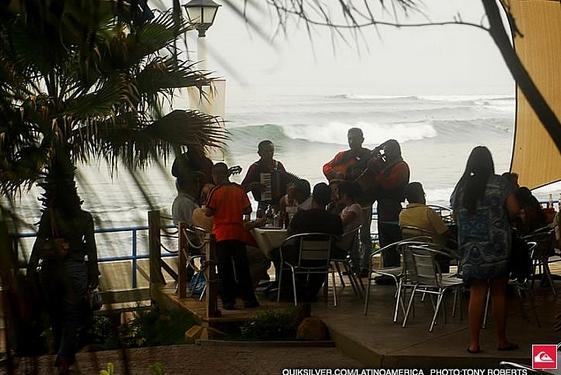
[
  {"x": 208, "y": 14},
  {"x": 195, "y": 14}
]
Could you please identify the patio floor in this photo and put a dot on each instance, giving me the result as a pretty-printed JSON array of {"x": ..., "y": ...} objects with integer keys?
[{"x": 377, "y": 342}]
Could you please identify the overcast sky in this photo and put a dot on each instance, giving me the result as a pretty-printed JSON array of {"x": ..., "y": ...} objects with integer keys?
[{"x": 430, "y": 60}]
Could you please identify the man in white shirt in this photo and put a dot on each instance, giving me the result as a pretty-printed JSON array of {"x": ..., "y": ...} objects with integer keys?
[{"x": 185, "y": 203}]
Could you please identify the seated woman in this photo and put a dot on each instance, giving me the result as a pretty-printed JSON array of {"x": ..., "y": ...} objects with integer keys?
[
  {"x": 532, "y": 216},
  {"x": 351, "y": 216},
  {"x": 288, "y": 205}
]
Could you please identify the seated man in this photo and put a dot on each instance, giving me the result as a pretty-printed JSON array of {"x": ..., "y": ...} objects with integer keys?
[
  {"x": 316, "y": 219},
  {"x": 302, "y": 194},
  {"x": 185, "y": 202},
  {"x": 418, "y": 214}
]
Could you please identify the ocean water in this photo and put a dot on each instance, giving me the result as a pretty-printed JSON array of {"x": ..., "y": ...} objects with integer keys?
[{"x": 436, "y": 134}]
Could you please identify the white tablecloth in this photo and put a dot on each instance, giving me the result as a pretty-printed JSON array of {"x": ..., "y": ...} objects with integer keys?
[{"x": 269, "y": 238}]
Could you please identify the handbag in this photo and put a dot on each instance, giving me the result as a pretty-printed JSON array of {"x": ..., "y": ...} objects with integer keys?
[
  {"x": 94, "y": 299},
  {"x": 197, "y": 284}
]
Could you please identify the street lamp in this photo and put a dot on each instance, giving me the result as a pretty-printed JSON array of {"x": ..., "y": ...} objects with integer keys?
[{"x": 201, "y": 13}]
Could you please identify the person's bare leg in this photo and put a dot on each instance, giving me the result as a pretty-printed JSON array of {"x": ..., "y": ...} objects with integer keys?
[
  {"x": 498, "y": 295},
  {"x": 477, "y": 293}
]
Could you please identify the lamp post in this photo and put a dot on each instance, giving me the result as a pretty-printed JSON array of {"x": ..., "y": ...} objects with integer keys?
[{"x": 201, "y": 13}]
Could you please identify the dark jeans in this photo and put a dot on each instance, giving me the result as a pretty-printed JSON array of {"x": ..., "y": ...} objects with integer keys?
[
  {"x": 388, "y": 229},
  {"x": 230, "y": 254},
  {"x": 64, "y": 285}
]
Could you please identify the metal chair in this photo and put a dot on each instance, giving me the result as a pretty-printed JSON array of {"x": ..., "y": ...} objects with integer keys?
[
  {"x": 394, "y": 273},
  {"x": 523, "y": 289},
  {"x": 423, "y": 272},
  {"x": 444, "y": 212},
  {"x": 193, "y": 235},
  {"x": 545, "y": 247},
  {"x": 348, "y": 241},
  {"x": 314, "y": 250}
]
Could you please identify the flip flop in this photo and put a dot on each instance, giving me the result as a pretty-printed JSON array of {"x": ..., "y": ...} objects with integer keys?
[{"x": 508, "y": 348}]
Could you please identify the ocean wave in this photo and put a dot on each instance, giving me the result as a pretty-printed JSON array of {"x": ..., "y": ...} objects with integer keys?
[
  {"x": 373, "y": 97},
  {"x": 335, "y": 132},
  {"x": 473, "y": 99}
]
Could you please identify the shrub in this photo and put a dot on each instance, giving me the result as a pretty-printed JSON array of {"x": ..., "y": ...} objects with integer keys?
[{"x": 272, "y": 325}]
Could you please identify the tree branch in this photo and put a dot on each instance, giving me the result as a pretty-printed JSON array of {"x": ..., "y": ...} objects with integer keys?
[{"x": 535, "y": 98}]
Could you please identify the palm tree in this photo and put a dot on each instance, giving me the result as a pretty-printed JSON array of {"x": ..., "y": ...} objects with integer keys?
[{"x": 91, "y": 79}]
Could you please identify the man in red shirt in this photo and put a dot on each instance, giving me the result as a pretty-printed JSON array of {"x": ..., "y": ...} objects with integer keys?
[
  {"x": 348, "y": 165},
  {"x": 391, "y": 182},
  {"x": 227, "y": 203}
]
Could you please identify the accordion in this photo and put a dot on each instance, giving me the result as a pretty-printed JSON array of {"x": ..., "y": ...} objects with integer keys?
[{"x": 273, "y": 186}]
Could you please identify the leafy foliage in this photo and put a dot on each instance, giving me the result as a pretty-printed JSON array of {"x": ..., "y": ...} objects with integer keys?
[
  {"x": 92, "y": 79},
  {"x": 272, "y": 325},
  {"x": 151, "y": 327}
]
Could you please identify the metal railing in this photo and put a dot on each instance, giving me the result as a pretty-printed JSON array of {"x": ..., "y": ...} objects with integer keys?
[{"x": 133, "y": 257}]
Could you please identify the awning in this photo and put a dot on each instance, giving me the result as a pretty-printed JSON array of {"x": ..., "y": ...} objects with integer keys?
[{"x": 535, "y": 157}]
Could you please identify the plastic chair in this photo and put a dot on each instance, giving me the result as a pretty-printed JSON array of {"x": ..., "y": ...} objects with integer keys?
[
  {"x": 423, "y": 272},
  {"x": 314, "y": 250}
]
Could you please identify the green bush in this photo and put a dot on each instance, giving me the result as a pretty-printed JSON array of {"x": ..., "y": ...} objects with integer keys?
[
  {"x": 272, "y": 325},
  {"x": 150, "y": 327},
  {"x": 155, "y": 327}
]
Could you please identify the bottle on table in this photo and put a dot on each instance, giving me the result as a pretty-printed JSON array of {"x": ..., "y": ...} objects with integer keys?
[
  {"x": 276, "y": 219},
  {"x": 269, "y": 216}
]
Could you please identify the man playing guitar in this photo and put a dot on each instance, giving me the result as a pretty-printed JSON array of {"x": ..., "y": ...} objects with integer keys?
[{"x": 349, "y": 165}]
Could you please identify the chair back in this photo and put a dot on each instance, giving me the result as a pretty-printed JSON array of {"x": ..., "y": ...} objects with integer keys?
[
  {"x": 314, "y": 249},
  {"x": 545, "y": 243},
  {"x": 410, "y": 231},
  {"x": 420, "y": 266},
  {"x": 349, "y": 239},
  {"x": 444, "y": 212}
]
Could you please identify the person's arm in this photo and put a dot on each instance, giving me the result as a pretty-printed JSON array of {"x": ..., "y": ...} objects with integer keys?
[
  {"x": 348, "y": 217},
  {"x": 329, "y": 167},
  {"x": 251, "y": 181},
  {"x": 512, "y": 206},
  {"x": 399, "y": 176},
  {"x": 212, "y": 204},
  {"x": 91, "y": 252},
  {"x": 246, "y": 204}
]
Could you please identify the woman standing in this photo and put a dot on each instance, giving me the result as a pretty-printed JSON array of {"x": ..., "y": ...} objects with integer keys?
[
  {"x": 66, "y": 257},
  {"x": 483, "y": 203}
]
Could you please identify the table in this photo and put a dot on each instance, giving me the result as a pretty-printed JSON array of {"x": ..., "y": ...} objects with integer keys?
[{"x": 269, "y": 238}]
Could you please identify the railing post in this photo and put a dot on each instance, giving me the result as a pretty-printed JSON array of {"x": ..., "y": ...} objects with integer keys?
[
  {"x": 182, "y": 266},
  {"x": 154, "y": 252},
  {"x": 211, "y": 277},
  {"x": 134, "y": 264}
]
